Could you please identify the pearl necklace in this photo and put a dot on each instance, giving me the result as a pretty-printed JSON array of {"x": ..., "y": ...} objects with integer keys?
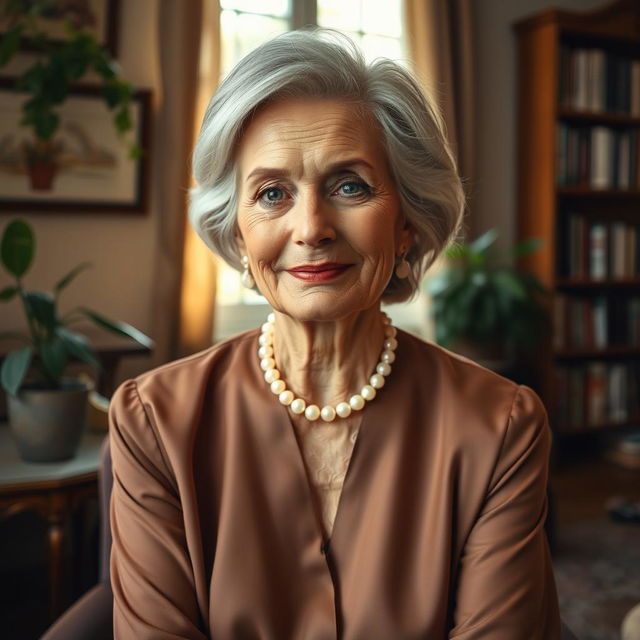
[{"x": 328, "y": 413}]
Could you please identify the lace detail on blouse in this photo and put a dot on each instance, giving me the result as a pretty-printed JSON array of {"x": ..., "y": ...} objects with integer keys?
[{"x": 326, "y": 449}]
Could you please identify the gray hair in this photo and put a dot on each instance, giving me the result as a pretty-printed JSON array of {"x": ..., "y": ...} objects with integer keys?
[{"x": 323, "y": 63}]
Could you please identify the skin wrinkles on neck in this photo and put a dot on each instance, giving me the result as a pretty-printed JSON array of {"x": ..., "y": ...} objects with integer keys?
[{"x": 327, "y": 362}]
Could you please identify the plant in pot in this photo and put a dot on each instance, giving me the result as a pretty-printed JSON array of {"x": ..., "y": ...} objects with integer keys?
[
  {"x": 48, "y": 79},
  {"x": 47, "y": 410},
  {"x": 485, "y": 309}
]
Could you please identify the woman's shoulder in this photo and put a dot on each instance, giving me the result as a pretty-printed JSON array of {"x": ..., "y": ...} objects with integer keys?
[
  {"x": 181, "y": 383},
  {"x": 164, "y": 404},
  {"x": 477, "y": 399},
  {"x": 200, "y": 366},
  {"x": 451, "y": 369}
]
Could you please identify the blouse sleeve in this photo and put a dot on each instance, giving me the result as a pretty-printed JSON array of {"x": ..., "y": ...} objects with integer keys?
[
  {"x": 151, "y": 576},
  {"x": 506, "y": 588}
]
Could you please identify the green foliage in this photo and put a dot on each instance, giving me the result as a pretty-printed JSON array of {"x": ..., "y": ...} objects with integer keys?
[
  {"x": 478, "y": 299},
  {"x": 50, "y": 345},
  {"x": 57, "y": 66}
]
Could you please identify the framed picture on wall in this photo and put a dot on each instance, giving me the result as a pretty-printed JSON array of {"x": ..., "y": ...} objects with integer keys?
[
  {"x": 97, "y": 17},
  {"x": 93, "y": 169}
]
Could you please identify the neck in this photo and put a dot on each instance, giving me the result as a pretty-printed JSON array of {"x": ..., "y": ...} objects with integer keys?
[{"x": 327, "y": 362}]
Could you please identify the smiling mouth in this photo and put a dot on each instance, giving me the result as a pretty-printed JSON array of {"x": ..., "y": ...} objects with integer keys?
[{"x": 323, "y": 272}]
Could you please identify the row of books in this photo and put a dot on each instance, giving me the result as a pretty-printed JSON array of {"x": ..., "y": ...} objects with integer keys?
[
  {"x": 595, "y": 322},
  {"x": 597, "y": 157},
  {"x": 597, "y": 393},
  {"x": 596, "y": 249},
  {"x": 599, "y": 81}
]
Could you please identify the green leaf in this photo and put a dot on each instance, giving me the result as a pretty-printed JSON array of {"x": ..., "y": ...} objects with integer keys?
[
  {"x": 61, "y": 284},
  {"x": 123, "y": 119},
  {"x": 135, "y": 151},
  {"x": 527, "y": 246},
  {"x": 78, "y": 345},
  {"x": 510, "y": 284},
  {"x": 7, "y": 293},
  {"x": 105, "y": 67},
  {"x": 121, "y": 328},
  {"x": 17, "y": 247},
  {"x": 117, "y": 92},
  {"x": 10, "y": 43},
  {"x": 456, "y": 251},
  {"x": 54, "y": 355},
  {"x": 42, "y": 305},
  {"x": 32, "y": 80},
  {"x": 14, "y": 369},
  {"x": 47, "y": 124},
  {"x": 481, "y": 244}
]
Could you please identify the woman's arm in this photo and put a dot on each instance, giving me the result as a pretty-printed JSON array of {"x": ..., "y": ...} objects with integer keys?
[
  {"x": 506, "y": 588},
  {"x": 151, "y": 575}
]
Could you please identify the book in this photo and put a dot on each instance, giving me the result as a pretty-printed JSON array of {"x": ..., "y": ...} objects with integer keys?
[
  {"x": 601, "y": 159},
  {"x": 596, "y": 393},
  {"x": 598, "y": 251}
]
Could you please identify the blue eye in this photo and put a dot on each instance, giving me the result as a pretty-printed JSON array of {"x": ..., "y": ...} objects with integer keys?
[
  {"x": 271, "y": 196},
  {"x": 350, "y": 187},
  {"x": 353, "y": 188}
]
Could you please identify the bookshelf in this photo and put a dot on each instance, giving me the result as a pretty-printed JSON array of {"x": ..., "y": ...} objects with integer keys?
[{"x": 578, "y": 101}]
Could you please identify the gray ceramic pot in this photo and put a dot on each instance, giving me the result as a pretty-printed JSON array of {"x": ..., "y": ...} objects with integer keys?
[{"x": 47, "y": 426}]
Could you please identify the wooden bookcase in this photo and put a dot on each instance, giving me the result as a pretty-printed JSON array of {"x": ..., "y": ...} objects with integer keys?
[{"x": 588, "y": 371}]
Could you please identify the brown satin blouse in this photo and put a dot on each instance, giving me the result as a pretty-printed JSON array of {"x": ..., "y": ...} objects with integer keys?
[{"x": 438, "y": 531}]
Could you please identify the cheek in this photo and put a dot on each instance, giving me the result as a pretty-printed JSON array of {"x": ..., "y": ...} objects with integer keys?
[
  {"x": 375, "y": 240},
  {"x": 261, "y": 240}
]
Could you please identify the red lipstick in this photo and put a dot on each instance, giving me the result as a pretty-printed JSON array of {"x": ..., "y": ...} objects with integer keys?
[{"x": 319, "y": 272}]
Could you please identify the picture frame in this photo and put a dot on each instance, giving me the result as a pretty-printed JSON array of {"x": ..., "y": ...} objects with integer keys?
[
  {"x": 97, "y": 17},
  {"x": 94, "y": 172}
]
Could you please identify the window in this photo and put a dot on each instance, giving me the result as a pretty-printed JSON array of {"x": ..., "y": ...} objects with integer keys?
[
  {"x": 244, "y": 24},
  {"x": 377, "y": 28}
]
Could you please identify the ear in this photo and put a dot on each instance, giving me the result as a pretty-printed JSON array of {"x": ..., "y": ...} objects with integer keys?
[{"x": 404, "y": 237}]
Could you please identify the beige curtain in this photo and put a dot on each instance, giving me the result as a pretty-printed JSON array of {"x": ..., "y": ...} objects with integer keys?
[
  {"x": 182, "y": 29},
  {"x": 440, "y": 43},
  {"x": 197, "y": 300}
]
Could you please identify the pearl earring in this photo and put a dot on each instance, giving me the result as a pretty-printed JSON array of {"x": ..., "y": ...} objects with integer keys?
[
  {"x": 246, "y": 277},
  {"x": 403, "y": 268}
]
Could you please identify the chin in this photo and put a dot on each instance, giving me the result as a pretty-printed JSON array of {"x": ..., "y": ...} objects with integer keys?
[{"x": 323, "y": 308}]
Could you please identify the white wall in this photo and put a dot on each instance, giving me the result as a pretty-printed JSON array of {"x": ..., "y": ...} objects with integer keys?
[
  {"x": 495, "y": 188},
  {"x": 121, "y": 247}
]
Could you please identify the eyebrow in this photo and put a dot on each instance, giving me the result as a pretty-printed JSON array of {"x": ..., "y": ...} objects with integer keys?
[{"x": 268, "y": 172}]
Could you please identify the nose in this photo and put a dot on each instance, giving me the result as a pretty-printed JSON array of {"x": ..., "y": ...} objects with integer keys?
[{"x": 312, "y": 220}]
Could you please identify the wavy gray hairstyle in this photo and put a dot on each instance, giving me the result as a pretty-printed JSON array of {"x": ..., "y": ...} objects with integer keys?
[{"x": 322, "y": 63}]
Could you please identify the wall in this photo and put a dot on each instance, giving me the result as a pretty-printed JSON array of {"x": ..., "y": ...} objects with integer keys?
[
  {"x": 495, "y": 188},
  {"x": 121, "y": 247}
]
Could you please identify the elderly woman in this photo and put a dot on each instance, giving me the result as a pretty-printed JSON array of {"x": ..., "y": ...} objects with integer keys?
[{"x": 328, "y": 476}]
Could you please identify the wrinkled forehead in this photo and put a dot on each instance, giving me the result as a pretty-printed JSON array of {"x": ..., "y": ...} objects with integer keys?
[{"x": 290, "y": 129}]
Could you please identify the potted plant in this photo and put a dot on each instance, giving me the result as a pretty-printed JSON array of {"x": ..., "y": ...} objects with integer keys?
[
  {"x": 57, "y": 65},
  {"x": 46, "y": 410},
  {"x": 486, "y": 309}
]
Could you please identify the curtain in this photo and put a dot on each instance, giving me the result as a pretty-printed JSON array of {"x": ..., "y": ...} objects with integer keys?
[
  {"x": 197, "y": 301},
  {"x": 181, "y": 27},
  {"x": 440, "y": 44}
]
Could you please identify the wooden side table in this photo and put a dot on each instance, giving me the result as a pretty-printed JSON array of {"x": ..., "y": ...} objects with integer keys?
[{"x": 55, "y": 490}]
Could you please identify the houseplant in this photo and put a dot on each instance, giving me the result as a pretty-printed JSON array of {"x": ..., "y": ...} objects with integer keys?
[
  {"x": 46, "y": 410},
  {"x": 48, "y": 79},
  {"x": 486, "y": 309}
]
